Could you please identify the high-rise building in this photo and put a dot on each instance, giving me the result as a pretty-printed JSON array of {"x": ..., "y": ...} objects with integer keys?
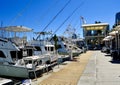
[{"x": 117, "y": 19}]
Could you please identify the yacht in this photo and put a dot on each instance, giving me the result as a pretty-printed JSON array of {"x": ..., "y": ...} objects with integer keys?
[
  {"x": 66, "y": 45},
  {"x": 44, "y": 49},
  {"x": 12, "y": 65}
]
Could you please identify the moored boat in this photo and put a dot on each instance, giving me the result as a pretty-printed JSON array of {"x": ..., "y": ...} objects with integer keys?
[{"x": 12, "y": 66}]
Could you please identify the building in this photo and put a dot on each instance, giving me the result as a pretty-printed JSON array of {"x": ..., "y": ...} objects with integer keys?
[
  {"x": 94, "y": 34},
  {"x": 117, "y": 18}
]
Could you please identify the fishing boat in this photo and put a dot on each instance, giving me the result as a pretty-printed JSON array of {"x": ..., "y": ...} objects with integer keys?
[
  {"x": 16, "y": 60},
  {"x": 44, "y": 47},
  {"x": 14, "y": 66},
  {"x": 65, "y": 45},
  {"x": 72, "y": 47}
]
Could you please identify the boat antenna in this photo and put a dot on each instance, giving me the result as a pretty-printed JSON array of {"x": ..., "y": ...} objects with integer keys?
[
  {"x": 55, "y": 17},
  {"x": 68, "y": 18}
]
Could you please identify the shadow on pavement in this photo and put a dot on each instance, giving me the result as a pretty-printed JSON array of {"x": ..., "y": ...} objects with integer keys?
[
  {"x": 115, "y": 61},
  {"x": 108, "y": 55}
]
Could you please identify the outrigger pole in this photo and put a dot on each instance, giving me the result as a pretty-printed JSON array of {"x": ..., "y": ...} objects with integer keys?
[{"x": 54, "y": 17}]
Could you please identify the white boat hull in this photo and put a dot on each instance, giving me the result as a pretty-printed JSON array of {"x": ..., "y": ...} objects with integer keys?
[{"x": 13, "y": 71}]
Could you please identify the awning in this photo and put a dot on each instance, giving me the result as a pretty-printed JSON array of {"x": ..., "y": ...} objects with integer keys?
[
  {"x": 113, "y": 33},
  {"x": 99, "y": 26},
  {"x": 108, "y": 38},
  {"x": 117, "y": 28},
  {"x": 105, "y": 39},
  {"x": 95, "y": 28},
  {"x": 16, "y": 29}
]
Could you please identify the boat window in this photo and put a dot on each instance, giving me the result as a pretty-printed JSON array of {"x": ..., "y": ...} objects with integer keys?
[
  {"x": 70, "y": 46},
  {"x": 2, "y": 54},
  {"x": 49, "y": 48},
  {"x": 59, "y": 46},
  {"x": 16, "y": 54},
  {"x": 52, "y": 48},
  {"x": 65, "y": 46},
  {"x": 74, "y": 48},
  {"x": 37, "y": 48},
  {"x": 28, "y": 61},
  {"x": 46, "y": 48},
  {"x": 24, "y": 52}
]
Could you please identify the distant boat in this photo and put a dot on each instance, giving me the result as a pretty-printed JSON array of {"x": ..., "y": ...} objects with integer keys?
[{"x": 65, "y": 45}]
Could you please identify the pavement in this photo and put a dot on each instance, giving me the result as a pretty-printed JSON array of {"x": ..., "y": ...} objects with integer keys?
[
  {"x": 90, "y": 68},
  {"x": 68, "y": 73},
  {"x": 100, "y": 70}
]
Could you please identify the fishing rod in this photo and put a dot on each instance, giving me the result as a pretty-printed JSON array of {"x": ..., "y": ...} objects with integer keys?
[
  {"x": 48, "y": 10},
  {"x": 42, "y": 17},
  {"x": 68, "y": 18},
  {"x": 21, "y": 12},
  {"x": 54, "y": 17}
]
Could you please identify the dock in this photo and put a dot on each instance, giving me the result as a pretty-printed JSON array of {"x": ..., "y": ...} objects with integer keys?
[
  {"x": 90, "y": 68},
  {"x": 68, "y": 73}
]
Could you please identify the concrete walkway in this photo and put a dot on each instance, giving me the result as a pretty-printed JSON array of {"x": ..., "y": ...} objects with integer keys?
[
  {"x": 91, "y": 68},
  {"x": 68, "y": 72},
  {"x": 100, "y": 71}
]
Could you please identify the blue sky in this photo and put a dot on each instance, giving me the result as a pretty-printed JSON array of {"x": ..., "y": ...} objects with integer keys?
[{"x": 36, "y": 14}]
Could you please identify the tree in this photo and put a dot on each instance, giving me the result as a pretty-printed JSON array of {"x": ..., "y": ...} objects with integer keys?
[{"x": 55, "y": 38}]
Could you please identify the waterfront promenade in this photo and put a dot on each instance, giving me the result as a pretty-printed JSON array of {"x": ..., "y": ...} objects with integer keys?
[
  {"x": 90, "y": 68},
  {"x": 100, "y": 70}
]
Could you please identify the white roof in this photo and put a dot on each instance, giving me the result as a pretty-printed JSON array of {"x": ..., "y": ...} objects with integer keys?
[
  {"x": 16, "y": 29},
  {"x": 98, "y": 26},
  {"x": 49, "y": 45}
]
